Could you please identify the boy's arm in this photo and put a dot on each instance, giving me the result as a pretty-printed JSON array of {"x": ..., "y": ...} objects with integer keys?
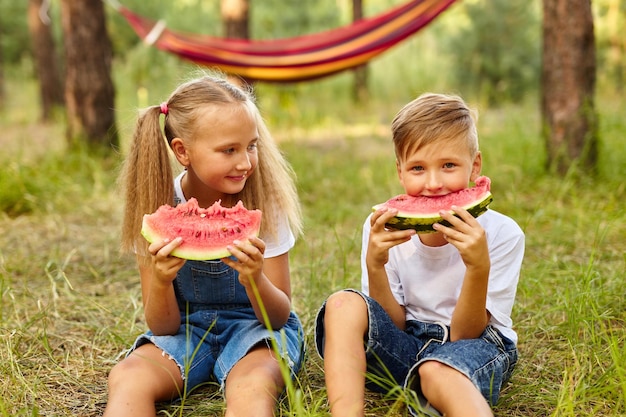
[
  {"x": 379, "y": 241},
  {"x": 470, "y": 317}
]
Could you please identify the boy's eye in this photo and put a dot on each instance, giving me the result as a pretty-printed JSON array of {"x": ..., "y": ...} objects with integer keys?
[
  {"x": 417, "y": 168},
  {"x": 449, "y": 165}
]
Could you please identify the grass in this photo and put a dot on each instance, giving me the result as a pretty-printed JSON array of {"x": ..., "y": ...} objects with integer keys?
[{"x": 70, "y": 304}]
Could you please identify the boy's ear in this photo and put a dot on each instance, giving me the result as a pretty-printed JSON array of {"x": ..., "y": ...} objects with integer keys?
[
  {"x": 477, "y": 166},
  {"x": 180, "y": 152}
]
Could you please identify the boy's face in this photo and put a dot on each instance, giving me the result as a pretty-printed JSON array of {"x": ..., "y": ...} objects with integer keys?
[{"x": 438, "y": 169}]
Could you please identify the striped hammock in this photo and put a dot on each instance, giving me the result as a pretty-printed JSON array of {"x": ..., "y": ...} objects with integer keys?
[{"x": 297, "y": 58}]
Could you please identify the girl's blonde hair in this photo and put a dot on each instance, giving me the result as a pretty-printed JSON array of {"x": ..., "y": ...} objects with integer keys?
[
  {"x": 148, "y": 176},
  {"x": 433, "y": 117}
]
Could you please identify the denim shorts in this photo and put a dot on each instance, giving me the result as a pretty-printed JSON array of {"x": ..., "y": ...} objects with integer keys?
[
  {"x": 206, "y": 353},
  {"x": 393, "y": 355}
]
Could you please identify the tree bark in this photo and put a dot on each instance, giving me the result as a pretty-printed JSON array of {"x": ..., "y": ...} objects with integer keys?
[
  {"x": 360, "y": 92},
  {"x": 236, "y": 25},
  {"x": 44, "y": 53},
  {"x": 89, "y": 90},
  {"x": 569, "y": 117},
  {"x": 2, "y": 94}
]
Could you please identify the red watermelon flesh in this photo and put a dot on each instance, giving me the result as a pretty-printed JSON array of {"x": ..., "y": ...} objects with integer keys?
[
  {"x": 205, "y": 232},
  {"x": 421, "y": 212}
]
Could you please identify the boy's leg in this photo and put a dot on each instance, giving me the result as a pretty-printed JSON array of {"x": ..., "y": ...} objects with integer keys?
[
  {"x": 438, "y": 381},
  {"x": 345, "y": 325},
  {"x": 253, "y": 384},
  {"x": 143, "y": 378}
]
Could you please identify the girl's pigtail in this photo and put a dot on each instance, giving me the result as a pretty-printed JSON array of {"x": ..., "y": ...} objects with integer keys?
[{"x": 147, "y": 178}]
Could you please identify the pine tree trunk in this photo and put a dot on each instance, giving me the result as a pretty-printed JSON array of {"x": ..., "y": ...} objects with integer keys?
[
  {"x": 44, "y": 52},
  {"x": 360, "y": 91},
  {"x": 236, "y": 25},
  {"x": 568, "y": 85},
  {"x": 89, "y": 90}
]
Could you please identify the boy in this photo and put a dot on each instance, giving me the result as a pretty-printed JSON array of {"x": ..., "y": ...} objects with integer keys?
[{"x": 434, "y": 311}]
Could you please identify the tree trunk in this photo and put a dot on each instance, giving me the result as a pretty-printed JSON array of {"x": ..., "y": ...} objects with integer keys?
[
  {"x": 360, "y": 92},
  {"x": 236, "y": 25},
  {"x": 89, "y": 90},
  {"x": 44, "y": 53},
  {"x": 568, "y": 85},
  {"x": 1, "y": 75}
]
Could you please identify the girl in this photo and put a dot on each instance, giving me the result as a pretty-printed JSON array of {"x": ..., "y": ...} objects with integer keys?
[{"x": 205, "y": 323}]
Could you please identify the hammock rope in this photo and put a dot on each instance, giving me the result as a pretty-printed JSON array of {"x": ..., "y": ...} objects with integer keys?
[{"x": 297, "y": 58}]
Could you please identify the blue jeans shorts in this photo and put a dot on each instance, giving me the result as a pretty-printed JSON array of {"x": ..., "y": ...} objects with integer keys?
[
  {"x": 393, "y": 355},
  {"x": 211, "y": 342}
]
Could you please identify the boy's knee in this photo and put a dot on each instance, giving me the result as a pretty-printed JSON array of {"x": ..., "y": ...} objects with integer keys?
[{"x": 343, "y": 302}]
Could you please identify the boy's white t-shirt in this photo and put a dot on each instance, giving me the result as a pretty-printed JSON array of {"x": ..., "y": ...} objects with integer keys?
[
  {"x": 284, "y": 241},
  {"x": 427, "y": 280}
]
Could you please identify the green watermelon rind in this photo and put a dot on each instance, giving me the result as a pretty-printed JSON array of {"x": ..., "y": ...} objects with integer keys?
[
  {"x": 185, "y": 252},
  {"x": 424, "y": 224}
]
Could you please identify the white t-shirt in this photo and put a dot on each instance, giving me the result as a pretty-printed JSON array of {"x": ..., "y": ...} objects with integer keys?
[
  {"x": 284, "y": 241},
  {"x": 427, "y": 280}
]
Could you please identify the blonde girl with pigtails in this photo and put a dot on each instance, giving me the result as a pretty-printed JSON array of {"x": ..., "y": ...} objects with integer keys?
[{"x": 205, "y": 323}]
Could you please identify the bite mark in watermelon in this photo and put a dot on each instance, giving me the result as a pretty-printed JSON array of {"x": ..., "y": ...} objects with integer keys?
[
  {"x": 421, "y": 212},
  {"x": 205, "y": 232}
]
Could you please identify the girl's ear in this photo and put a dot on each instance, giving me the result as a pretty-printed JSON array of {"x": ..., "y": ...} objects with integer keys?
[
  {"x": 180, "y": 152},
  {"x": 477, "y": 166}
]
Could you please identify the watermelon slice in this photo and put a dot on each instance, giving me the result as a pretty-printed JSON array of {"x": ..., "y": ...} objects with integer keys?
[
  {"x": 421, "y": 212},
  {"x": 205, "y": 232}
]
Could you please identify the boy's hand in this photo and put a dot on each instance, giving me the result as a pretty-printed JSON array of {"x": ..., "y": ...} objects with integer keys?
[
  {"x": 381, "y": 239},
  {"x": 467, "y": 235}
]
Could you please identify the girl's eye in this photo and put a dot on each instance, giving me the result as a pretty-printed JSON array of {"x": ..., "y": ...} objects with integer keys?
[
  {"x": 229, "y": 150},
  {"x": 252, "y": 147}
]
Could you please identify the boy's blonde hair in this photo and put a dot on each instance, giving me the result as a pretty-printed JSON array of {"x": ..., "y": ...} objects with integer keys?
[
  {"x": 433, "y": 117},
  {"x": 148, "y": 177}
]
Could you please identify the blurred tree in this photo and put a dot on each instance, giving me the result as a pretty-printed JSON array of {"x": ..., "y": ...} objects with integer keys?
[
  {"x": 235, "y": 18},
  {"x": 569, "y": 118},
  {"x": 1, "y": 75},
  {"x": 360, "y": 92},
  {"x": 89, "y": 90},
  {"x": 44, "y": 53},
  {"x": 496, "y": 49},
  {"x": 236, "y": 22}
]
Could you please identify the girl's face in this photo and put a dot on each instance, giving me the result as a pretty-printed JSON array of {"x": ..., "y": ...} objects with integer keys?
[
  {"x": 222, "y": 155},
  {"x": 438, "y": 169}
]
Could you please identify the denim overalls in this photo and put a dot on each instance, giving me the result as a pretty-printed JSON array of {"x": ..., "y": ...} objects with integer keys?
[{"x": 218, "y": 326}]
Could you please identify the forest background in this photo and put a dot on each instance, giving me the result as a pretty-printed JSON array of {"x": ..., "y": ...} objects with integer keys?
[{"x": 70, "y": 304}]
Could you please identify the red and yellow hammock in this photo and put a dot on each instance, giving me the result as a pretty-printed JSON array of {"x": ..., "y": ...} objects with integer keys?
[{"x": 298, "y": 58}]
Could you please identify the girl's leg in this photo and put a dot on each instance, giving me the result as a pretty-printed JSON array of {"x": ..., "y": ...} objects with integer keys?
[
  {"x": 253, "y": 384},
  {"x": 345, "y": 325},
  {"x": 438, "y": 381},
  {"x": 140, "y": 380}
]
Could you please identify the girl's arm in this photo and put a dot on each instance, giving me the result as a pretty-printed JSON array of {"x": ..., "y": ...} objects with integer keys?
[
  {"x": 159, "y": 300},
  {"x": 270, "y": 276}
]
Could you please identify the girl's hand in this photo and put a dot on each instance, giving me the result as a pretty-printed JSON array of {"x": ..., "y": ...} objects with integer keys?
[
  {"x": 467, "y": 235},
  {"x": 249, "y": 263},
  {"x": 164, "y": 265},
  {"x": 381, "y": 239}
]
